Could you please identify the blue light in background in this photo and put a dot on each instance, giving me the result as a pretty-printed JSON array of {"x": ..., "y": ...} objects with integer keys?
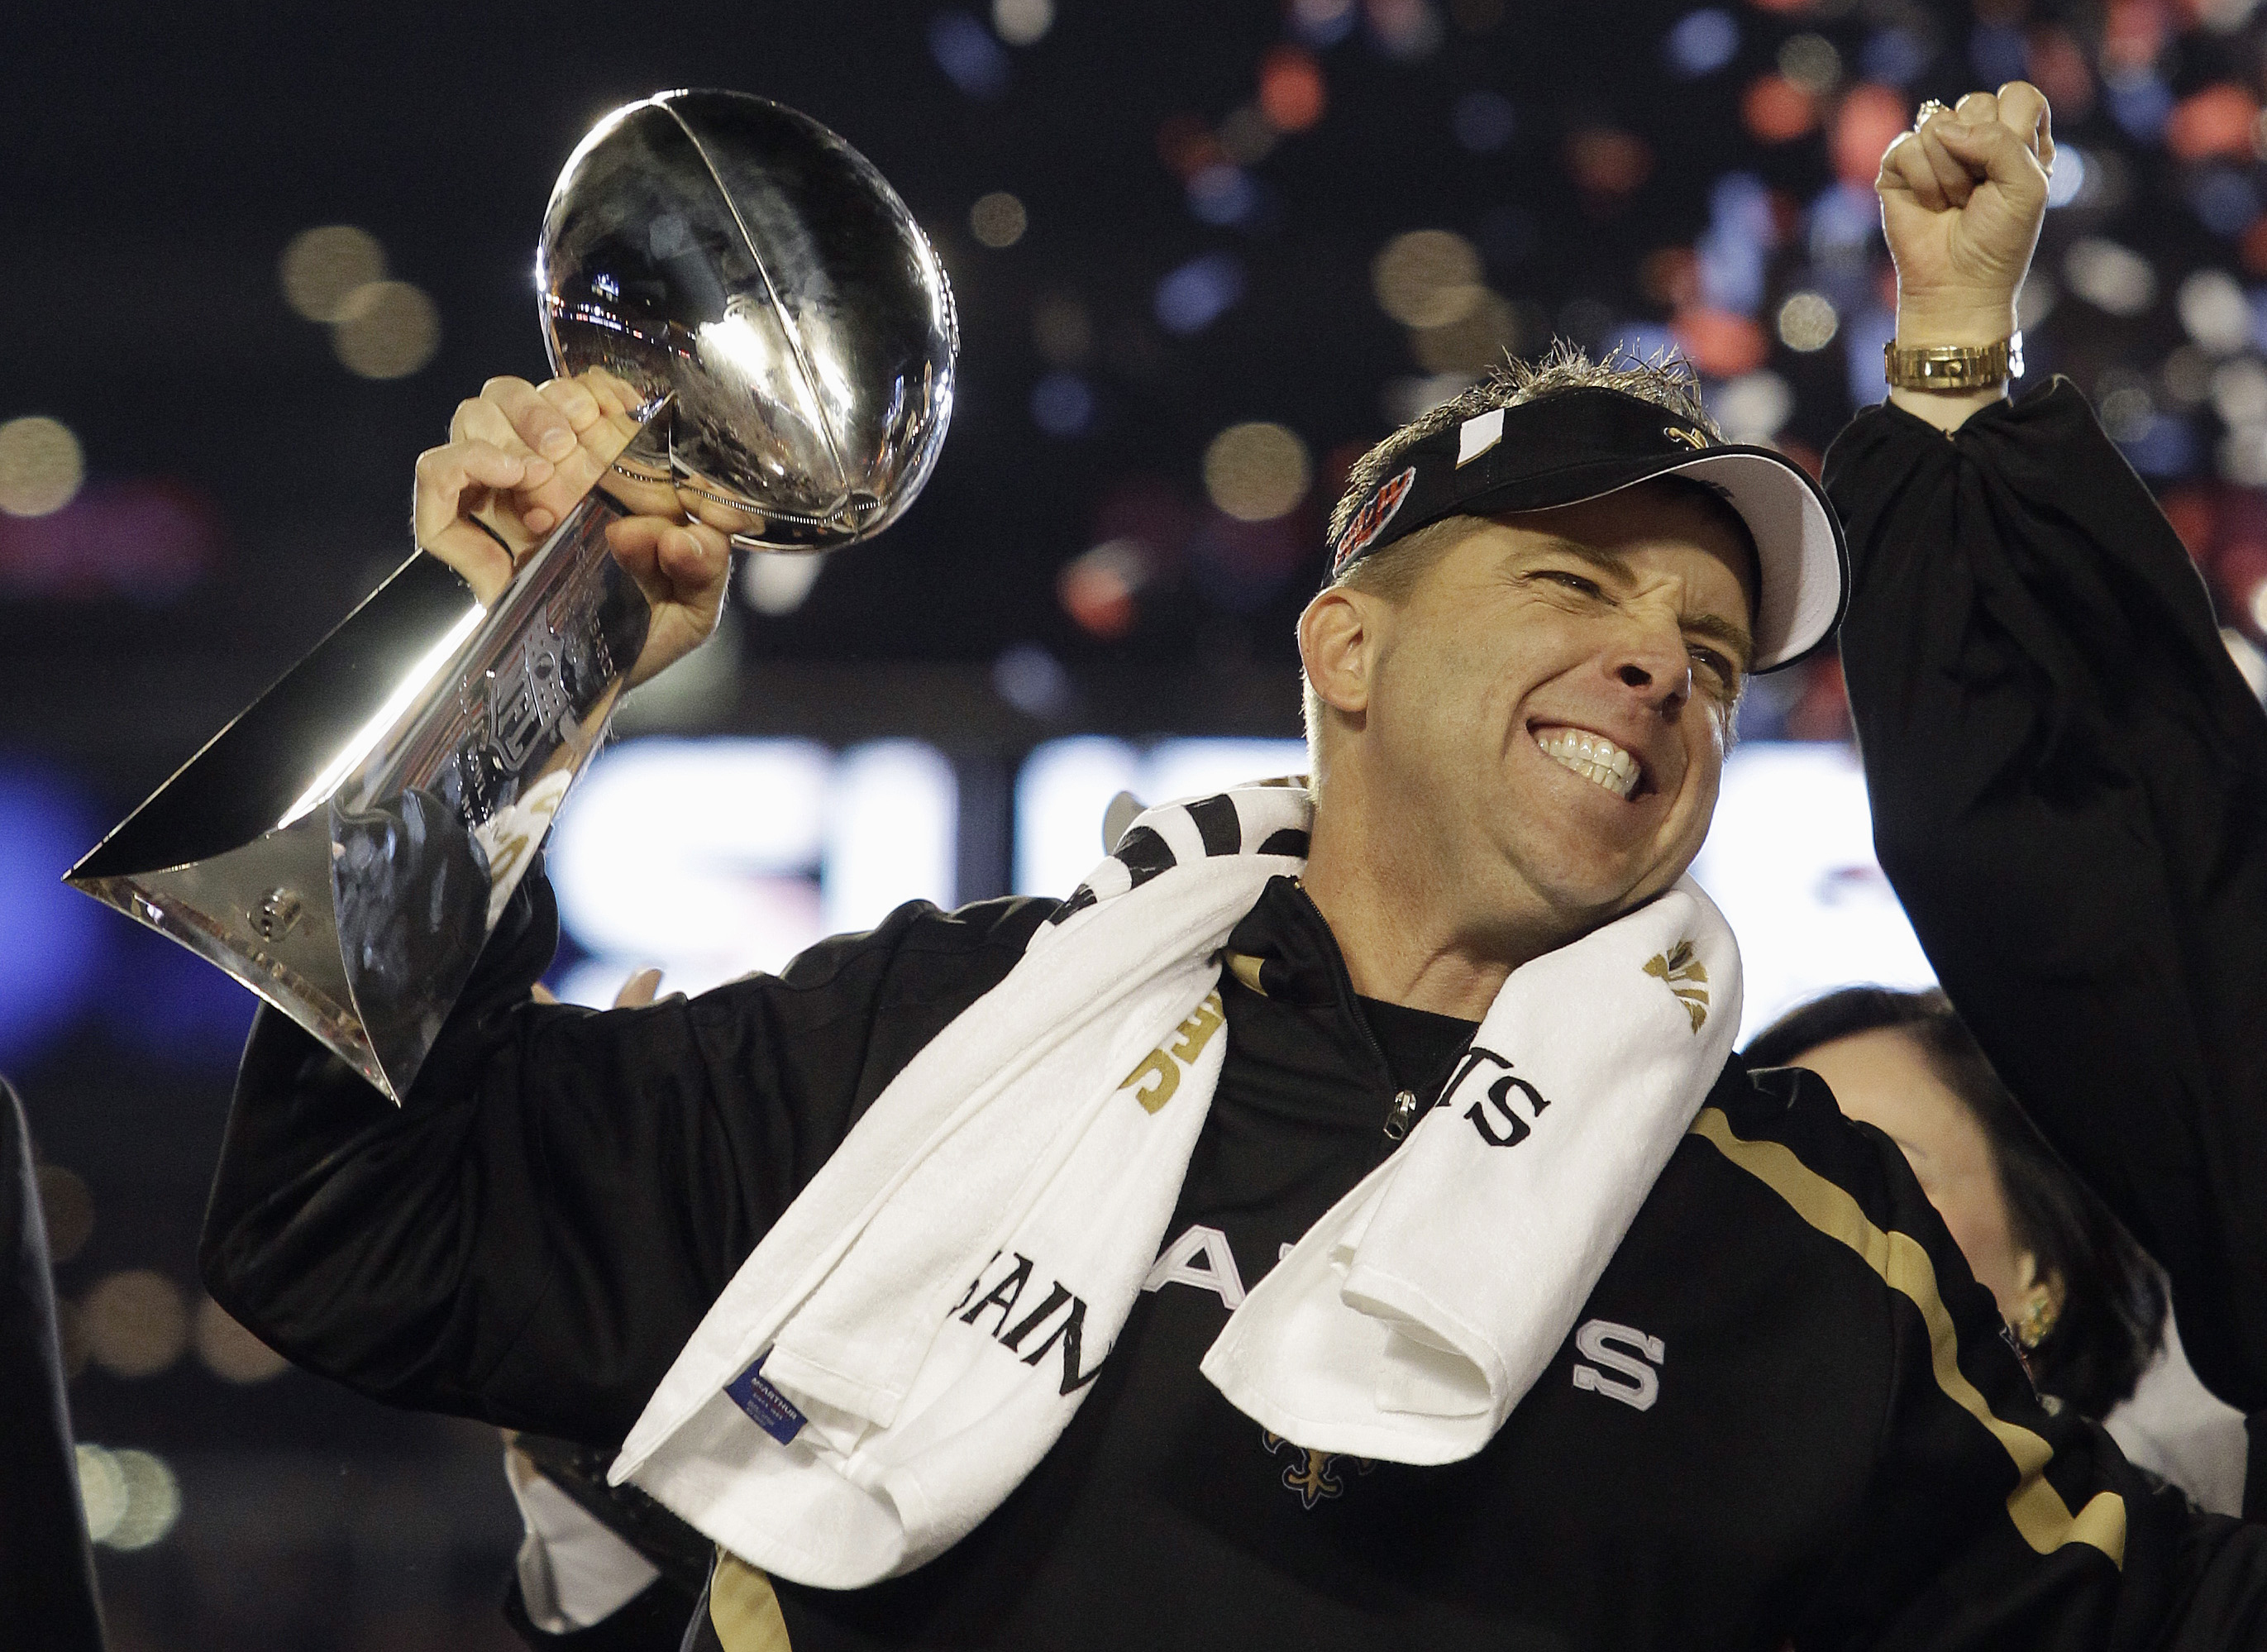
[
  {"x": 167, "y": 1003},
  {"x": 1892, "y": 56},
  {"x": 970, "y": 56},
  {"x": 1192, "y": 298},
  {"x": 1222, "y": 194},
  {"x": 51, "y": 936},
  {"x": 1732, "y": 248},
  {"x": 1061, "y": 405},
  {"x": 1644, "y": 340},
  {"x": 1843, "y": 219},
  {"x": 2141, "y": 104},
  {"x": 2224, "y": 200},
  {"x": 1701, "y": 43},
  {"x": 2165, "y": 447},
  {"x": 1864, "y": 335}
]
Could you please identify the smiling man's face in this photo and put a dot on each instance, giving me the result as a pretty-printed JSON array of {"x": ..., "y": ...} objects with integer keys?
[{"x": 1554, "y": 700}]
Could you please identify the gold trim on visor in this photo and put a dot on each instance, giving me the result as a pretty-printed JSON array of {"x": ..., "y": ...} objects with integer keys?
[{"x": 2041, "y": 1516}]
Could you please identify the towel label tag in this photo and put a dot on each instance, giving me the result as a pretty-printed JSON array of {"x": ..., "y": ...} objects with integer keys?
[{"x": 768, "y": 1409}]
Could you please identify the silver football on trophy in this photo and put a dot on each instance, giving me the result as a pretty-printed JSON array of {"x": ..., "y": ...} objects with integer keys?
[
  {"x": 345, "y": 846},
  {"x": 744, "y": 262}
]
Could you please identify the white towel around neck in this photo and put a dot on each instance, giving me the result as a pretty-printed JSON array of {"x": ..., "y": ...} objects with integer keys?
[{"x": 932, "y": 1309}]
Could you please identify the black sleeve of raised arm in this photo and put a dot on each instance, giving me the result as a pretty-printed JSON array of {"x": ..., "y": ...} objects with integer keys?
[
  {"x": 532, "y": 1236},
  {"x": 2069, "y": 786}
]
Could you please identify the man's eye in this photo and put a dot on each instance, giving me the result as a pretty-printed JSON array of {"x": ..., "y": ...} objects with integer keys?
[
  {"x": 1571, "y": 582},
  {"x": 1715, "y": 663}
]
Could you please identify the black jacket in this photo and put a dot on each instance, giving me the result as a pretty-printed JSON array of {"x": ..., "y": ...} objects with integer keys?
[
  {"x": 47, "y": 1598},
  {"x": 1788, "y": 1413},
  {"x": 2069, "y": 784}
]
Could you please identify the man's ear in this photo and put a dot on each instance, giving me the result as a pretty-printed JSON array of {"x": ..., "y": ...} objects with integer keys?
[{"x": 1337, "y": 643}]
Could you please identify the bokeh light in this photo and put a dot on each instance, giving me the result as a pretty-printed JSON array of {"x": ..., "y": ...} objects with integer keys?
[
  {"x": 1222, "y": 194},
  {"x": 101, "y": 1491},
  {"x": 55, "y": 937},
  {"x": 1701, "y": 43},
  {"x": 773, "y": 584},
  {"x": 1869, "y": 120},
  {"x": 1322, "y": 22},
  {"x": 40, "y": 465},
  {"x": 1753, "y": 408},
  {"x": 2109, "y": 277},
  {"x": 1062, "y": 329},
  {"x": 2213, "y": 310},
  {"x": 1721, "y": 343},
  {"x": 2221, "y": 120},
  {"x": 1811, "y": 62},
  {"x": 1098, "y": 588},
  {"x": 1022, "y": 22},
  {"x": 1193, "y": 297},
  {"x": 67, "y": 1208},
  {"x": 1405, "y": 29},
  {"x": 1777, "y": 110},
  {"x": 1257, "y": 471},
  {"x": 1808, "y": 321},
  {"x": 153, "y": 1501},
  {"x": 386, "y": 329},
  {"x": 136, "y": 1322},
  {"x": 228, "y": 1350},
  {"x": 1062, "y": 404},
  {"x": 1473, "y": 343},
  {"x": 998, "y": 219},
  {"x": 1607, "y": 161},
  {"x": 1427, "y": 278},
  {"x": 320, "y": 268},
  {"x": 1033, "y": 681},
  {"x": 968, "y": 53},
  {"x": 1292, "y": 94}
]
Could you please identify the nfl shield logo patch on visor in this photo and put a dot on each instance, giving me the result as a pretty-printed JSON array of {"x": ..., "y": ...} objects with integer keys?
[{"x": 1371, "y": 519}]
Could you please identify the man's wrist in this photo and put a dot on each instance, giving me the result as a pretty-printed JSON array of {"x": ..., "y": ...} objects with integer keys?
[{"x": 1921, "y": 325}]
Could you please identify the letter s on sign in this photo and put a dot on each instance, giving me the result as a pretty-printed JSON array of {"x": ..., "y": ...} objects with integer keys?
[{"x": 1597, "y": 1340}]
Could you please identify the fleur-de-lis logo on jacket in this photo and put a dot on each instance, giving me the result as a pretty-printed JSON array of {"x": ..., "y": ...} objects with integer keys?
[{"x": 1687, "y": 976}]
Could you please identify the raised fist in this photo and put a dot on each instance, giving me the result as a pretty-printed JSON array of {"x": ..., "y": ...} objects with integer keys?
[{"x": 1963, "y": 197}]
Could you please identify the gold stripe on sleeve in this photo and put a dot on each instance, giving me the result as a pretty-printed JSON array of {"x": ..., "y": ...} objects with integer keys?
[
  {"x": 742, "y": 1608},
  {"x": 2037, "y": 1509}
]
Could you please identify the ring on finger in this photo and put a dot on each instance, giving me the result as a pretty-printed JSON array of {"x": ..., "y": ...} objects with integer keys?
[{"x": 1928, "y": 112}]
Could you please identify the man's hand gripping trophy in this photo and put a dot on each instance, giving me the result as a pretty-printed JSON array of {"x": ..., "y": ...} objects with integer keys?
[{"x": 519, "y": 457}]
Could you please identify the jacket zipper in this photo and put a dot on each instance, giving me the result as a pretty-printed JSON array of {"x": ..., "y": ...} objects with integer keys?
[{"x": 1402, "y": 1113}]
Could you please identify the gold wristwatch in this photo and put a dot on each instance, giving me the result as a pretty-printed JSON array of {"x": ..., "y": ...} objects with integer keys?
[{"x": 1952, "y": 366}]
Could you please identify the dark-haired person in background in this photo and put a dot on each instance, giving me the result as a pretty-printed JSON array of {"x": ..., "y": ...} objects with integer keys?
[
  {"x": 2084, "y": 1300},
  {"x": 2068, "y": 775}
]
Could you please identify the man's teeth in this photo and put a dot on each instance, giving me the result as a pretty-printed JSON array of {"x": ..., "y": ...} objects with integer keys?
[{"x": 1593, "y": 757}]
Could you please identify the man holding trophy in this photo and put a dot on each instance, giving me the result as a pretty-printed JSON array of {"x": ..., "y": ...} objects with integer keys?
[{"x": 1342, "y": 1222}]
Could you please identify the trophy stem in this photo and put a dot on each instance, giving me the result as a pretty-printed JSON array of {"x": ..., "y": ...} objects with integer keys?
[{"x": 385, "y": 797}]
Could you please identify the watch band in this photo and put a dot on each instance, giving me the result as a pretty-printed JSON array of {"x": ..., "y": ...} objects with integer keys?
[{"x": 1952, "y": 366}]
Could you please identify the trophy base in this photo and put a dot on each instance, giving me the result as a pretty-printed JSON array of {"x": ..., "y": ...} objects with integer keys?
[{"x": 345, "y": 846}]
